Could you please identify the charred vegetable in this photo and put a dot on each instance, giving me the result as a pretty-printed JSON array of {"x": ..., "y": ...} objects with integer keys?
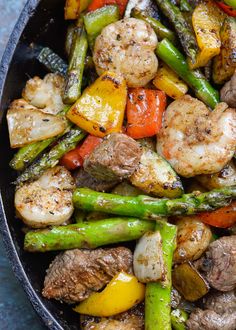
[
  {"x": 152, "y": 208},
  {"x": 148, "y": 258},
  {"x": 76, "y": 67},
  {"x": 51, "y": 158},
  {"x": 155, "y": 176},
  {"x": 95, "y": 21},
  {"x": 169, "y": 82},
  {"x": 178, "y": 319},
  {"x": 72, "y": 9},
  {"x": 124, "y": 290},
  {"x": 158, "y": 295},
  {"x": 188, "y": 281},
  {"x": 51, "y": 61},
  {"x": 207, "y": 20},
  {"x": 145, "y": 109},
  {"x": 225, "y": 63},
  {"x": 88, "y": 234},
  {"x": 224, "y": 217},
  {"x": 106, "y": 114},
  {"x": 182, "y": 28},
  {"x": 26, "y": 155},
  {"x": 28, "y": 124},
  {"x": 176, "y": 61}
]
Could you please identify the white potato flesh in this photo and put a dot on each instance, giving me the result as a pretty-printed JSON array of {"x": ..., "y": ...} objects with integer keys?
[
  {"x": 193, "y": 238},
  {"x": 127, "y": 47},
  {"x": 27, "y": 124},
  {"x": 47, "y": 201},
  {"x": 148, "y": 258},
  {"x": 45, "y": 94}
]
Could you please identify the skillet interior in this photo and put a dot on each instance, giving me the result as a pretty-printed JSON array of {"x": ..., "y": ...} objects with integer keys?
[{"x": 41, "y": 22}]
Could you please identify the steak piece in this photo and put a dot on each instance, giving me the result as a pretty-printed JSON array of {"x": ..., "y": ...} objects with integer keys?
[
  {"x": 221, "y": 302},
  {"x": 75, "y": 274},
  {"x": 228, "y": 92},
  {"x": 219, "y": 263},
  {"x": 85, "y": 180},
  {"x": 130, "y": 320},
  {"x": 210, "y": 320},
  {"x": 116, "y": 158}
]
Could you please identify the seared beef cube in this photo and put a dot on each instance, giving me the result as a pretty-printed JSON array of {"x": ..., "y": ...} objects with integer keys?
[
  {"x": 210, "y": 320},
  {"x": 75, "y": 274},
  {"x": 116, "y": 158},
  {"x": 219, "y": 263},
  {"x": 221, "y": 302}
]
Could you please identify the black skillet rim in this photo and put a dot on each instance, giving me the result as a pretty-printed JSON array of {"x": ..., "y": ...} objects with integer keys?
[{"x": 10, "y": 248}]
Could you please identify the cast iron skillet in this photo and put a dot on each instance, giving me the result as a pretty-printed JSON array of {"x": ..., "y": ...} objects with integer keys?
[{"x": 40, "y": 22}]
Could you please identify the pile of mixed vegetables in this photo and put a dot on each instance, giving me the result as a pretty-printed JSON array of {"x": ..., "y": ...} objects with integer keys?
[{"x": 134, "y": 140}]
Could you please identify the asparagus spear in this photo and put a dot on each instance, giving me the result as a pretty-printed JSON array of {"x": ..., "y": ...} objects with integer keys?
[
  {"x": 182, "y": 28},
  {"x": 26, "y": 155},
  {"x": 51, "y": 158},
  {"x": 158, "y": 295},
  {"x": 95, "y": 21},
  {"x": 87, "y": 234},
  {"x": 185, "y": 6},
  {"x": 69, "y": 38},
  {"x": 161, "y": 31},
  {"x": 178, "y": 319},
  {"x": 194, "y": 78},
  {"x": 145, "y": 207},
  {"x": 75, "y": 71}
]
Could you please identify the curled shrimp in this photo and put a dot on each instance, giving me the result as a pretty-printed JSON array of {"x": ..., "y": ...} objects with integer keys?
[
  {"x": 45, "y": 94},
  {"x": 195, "y": 140}
]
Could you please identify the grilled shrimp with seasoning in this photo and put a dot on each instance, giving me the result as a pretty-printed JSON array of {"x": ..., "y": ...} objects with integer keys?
[
  {"x": 47, "y": 201},
  {"x": 45, "y": 94},
  {"x": 196, "y": 140},
  {"x": 127, "y": 47}
]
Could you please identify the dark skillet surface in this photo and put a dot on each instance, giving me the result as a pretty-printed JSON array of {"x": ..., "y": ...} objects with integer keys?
[{"x": 40, "y": 22}]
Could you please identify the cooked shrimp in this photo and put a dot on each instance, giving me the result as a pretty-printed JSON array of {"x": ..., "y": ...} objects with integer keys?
[
  {"x": 45, "y": 94},
  {"x": 47, "y": 201},
  {"x": 195, "y": 140},
  {"x": 127, "y": 47}
]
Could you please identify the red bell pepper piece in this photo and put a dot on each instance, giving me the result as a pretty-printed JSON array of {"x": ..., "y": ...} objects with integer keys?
[
  {"x": 224, "y": 217},
  {"x": 90, "y": 143},
  {"x": 95, "y": 4},
  {"x": 145, "y": 109},
  {"x": 72, "y": 160},
  {"x": 75, "y": 158},
  {"x": 226, "y": 8}
]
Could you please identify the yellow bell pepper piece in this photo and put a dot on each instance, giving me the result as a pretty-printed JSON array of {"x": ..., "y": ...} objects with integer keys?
[
  {"x": 100, "y": 110},
  {"x": 84, "y": 4},
  {"x": 207, "y": 19},
  {"x": 169, "y": 82},
  {"x": 123, "y": 292},
  {"x": 72, "y": 9}
]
